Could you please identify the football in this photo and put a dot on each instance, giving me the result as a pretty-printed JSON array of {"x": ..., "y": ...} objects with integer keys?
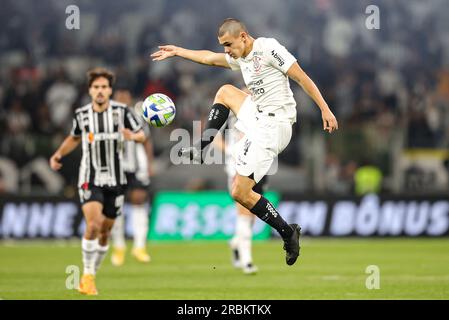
[{"x": 158, "y": 110}]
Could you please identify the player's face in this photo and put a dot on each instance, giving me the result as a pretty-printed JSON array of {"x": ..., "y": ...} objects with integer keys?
[
  {"x": 100, "y": 90},
  {"x": 233, "y": 45}
]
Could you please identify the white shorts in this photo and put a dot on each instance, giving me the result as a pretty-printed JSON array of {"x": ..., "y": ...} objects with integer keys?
[{"x": 265, "y": 137}]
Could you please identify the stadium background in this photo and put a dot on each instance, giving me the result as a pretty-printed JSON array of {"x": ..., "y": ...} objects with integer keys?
[{"x": 384, "y": 173}]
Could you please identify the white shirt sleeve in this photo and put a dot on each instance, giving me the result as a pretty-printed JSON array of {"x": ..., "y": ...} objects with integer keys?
[
  {"x": 279, "y": 57},
  {"x": 232, "y": 62}
]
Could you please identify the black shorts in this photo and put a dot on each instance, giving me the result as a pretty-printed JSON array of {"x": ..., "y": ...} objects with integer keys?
[
  {"x": 112, "y": 198},
  {"x": 133, "y": 182}
]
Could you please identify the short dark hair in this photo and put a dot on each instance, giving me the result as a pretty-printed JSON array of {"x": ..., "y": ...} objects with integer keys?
[
  {"x": 96, "y": 73},
  {"x": 233, "y": 26}
]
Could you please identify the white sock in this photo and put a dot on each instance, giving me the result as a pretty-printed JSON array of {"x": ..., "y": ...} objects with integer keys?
[
  {"x": 101, "y": 254},
  {"x": 234, "y": 242},
  {"x": 244, "y": 232},
  {"x": 89, "y": 252},
  {"x": 118, "y": 233},
  {"x": 140, "y": 225}
]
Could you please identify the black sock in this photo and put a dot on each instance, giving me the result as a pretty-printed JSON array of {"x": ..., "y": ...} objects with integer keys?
[
  {"x": 265, "y": 211},
  {"x": 217, "y": 118}
]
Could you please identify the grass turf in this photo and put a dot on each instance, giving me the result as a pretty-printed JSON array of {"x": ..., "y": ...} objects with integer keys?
[{"x": 327, "y": 269}]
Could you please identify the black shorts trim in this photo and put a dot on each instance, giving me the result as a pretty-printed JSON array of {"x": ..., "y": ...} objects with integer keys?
[{"x": 112, "y": 198}]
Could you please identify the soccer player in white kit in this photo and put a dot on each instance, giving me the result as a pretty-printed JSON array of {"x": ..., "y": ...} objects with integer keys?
[{"x": 265, "y": 116}]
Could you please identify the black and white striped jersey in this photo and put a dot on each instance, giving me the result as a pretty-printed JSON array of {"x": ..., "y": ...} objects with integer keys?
[{"x": 102, "y": 143}]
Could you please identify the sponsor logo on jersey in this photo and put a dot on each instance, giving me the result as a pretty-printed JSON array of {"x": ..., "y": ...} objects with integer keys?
[
  {"x": 279, "y": 59},
  {"x": 257, "y": 91},
  {"x": 102, "y": 136}
]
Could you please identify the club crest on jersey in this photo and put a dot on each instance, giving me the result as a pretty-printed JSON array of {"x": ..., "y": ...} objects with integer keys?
[
  {"x": 115, "y": 118},
  {"x": 256, "y": 64}
]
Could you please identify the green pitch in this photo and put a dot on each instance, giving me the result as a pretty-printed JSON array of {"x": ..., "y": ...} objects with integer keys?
[{"x": 327, "y": 269}]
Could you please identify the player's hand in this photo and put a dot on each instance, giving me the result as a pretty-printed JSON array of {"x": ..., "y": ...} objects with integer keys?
[
  {"x": 55, "y": 162},
  {"x": 329, "y": 121},
  {"x": 127, "y": 134},
  {"x": 164, "y": 52}
]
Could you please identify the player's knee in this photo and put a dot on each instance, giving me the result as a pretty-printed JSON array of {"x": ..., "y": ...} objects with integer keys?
[
  {"x": 223, "y": 94},
  {"x": 239, "y": 194},
  {"x": 93, "y": 228},
  {"x": 235, "y": 193}
]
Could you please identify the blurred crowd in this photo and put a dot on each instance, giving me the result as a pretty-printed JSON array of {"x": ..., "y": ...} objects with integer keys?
[{"x": 389, "y": 87}]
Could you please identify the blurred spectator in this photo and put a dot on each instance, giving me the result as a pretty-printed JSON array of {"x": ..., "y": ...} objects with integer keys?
[
  {"x": 60, "y": 97},
  {"x": 17, "y": 119}
]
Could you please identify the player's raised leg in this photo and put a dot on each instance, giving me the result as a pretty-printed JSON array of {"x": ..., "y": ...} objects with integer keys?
[
  {"x": 94, "y": 219},
  {"x": 227, "y": 98},
  {"x": 242, "y": 192}
]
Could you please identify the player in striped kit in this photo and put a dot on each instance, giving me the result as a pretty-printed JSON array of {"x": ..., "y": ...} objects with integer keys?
[{"x": 101, "y": 127}]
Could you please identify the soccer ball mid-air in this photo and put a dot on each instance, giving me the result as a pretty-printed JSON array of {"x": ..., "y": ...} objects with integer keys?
[{"x": 158, "y": 110}]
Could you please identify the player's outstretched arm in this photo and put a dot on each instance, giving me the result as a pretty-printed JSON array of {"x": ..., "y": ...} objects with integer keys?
[
  {"x": 67, "y": 146},
  {"x": 296, "y": 73},
  {"x": 138, "y": 136},
  {"x": 200, "y": 56}
]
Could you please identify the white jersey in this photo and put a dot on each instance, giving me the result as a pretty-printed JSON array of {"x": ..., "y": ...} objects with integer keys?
[{"x": 264, "y": 72}]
